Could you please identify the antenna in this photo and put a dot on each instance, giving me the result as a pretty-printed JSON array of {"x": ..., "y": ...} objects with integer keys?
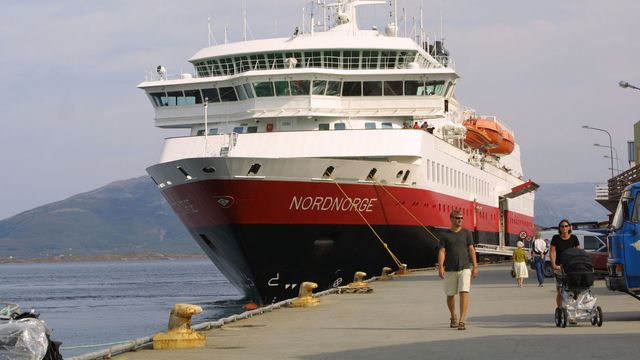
[
  {"x": 209, "y": 32},
  {"x": 243, "y": 7},
  {"x": 441, "y": 22}
]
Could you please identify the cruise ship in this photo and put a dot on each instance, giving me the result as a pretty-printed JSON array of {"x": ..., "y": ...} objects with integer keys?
[{"x": 331, "y": 151}]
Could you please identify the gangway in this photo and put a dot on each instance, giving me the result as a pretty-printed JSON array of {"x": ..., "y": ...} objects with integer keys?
[{"x": 488, "y": 249}]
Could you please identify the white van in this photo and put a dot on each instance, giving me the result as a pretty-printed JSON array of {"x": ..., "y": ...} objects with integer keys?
[{"x": 589, "y": 241}]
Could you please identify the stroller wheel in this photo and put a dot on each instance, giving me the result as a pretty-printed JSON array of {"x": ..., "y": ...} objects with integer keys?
[
  {"x": 558, "y": 317},
  {"x": 564, "y": 317},
  {"x": 597, "y": 318}
]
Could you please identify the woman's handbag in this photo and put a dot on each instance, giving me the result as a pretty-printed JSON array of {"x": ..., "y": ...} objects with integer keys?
[{"x": 513, "y": 272}]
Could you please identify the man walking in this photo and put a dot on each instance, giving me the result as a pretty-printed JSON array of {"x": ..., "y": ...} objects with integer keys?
[
  {"x": 539, "y": 251},
  {"x": 457, "y": 254}
]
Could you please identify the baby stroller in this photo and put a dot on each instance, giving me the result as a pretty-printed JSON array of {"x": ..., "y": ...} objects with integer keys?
[{"x": 578, "y": 303}]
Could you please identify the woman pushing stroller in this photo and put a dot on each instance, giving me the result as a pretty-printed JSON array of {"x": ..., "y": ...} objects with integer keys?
[{"x": 559, "y": 243}]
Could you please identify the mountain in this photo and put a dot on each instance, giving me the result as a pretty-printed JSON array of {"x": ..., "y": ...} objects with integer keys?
[
  {"x": 130, "y": 216},
  {"x": 123, "y": 217},
  {"x": 574, "y": 202}
]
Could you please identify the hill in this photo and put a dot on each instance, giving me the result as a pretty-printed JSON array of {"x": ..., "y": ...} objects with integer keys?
[
  {"x": 130, "y": 216},
  {"x": 574, "y": 202},
  {"x": 123, "y": 217}
]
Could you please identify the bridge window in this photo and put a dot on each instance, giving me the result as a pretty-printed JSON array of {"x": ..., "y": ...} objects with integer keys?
[
  {"x": 372, "y": 88},
  {"x": 387, "y": 125},
  {"x": 211, "y": 95},
  {"x": 192, "y": 97},
  {"x": 252, "y": 129},
  {"x": 242, "y": 94},
  {"x": 393, "y": 88},
  {"x": 263, "y": 89},
  {"x": 339, "y": 126},
  {"x": 158, "y": 98},
  {"x": 370, "y": 59},
  {"x": 238, "y": 129},
  {"x": 282, "y": 88},
  {"x": 318, "y": 87},
  {"x": 228, "y": 94},
  {"x": 352, "y": 88},
  {"x": 333, "y": 88},
  {"x": 412, "y": 87},
  {"x": 300, "y": 87},
  {"x": 323, "y": 126},
  {"x": 351, "y": 59},
  {"x": 369, "y": 125}
]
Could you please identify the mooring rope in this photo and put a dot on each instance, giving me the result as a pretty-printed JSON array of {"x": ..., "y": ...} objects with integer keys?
[
  {"x": 384, "y": 244},
  {"x": 407, "y": 210}
]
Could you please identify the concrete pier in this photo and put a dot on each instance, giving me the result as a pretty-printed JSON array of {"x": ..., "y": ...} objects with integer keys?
[{"x": 406, "y": 318}]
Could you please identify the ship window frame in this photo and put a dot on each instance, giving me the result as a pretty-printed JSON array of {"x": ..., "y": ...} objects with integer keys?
[
  {"x": 238, "y": 129},
  {"x": 193, "y": 94},
  {"x": 283, "y": 91},
  {"x": 248, "y": 89},
  {"x": 339, "y": 126},
  {"x": 331, "y": 59},
  {"x": 300, "y": 87},
  {"x": 390, "y": 88},
  {"x": 370, "y": 125},
  {"x": 157, "y": 98},
  {"x": 324, "y": 126},
  {"x": 252, "y": 129},
  {"x": 352, "y": 88},
  {"x": 315, "y": 87},
  {"x": 242, "y": 93},
  {"x": 334, "y": 88},
  {"x": 173, "y": 96},
  {"x": 228, "y": 94},
  {"x": 264, "y": 89},
  {"x": 386, "y": 125},
  {"x": 214, "y": 91},
  {"x": 369, "y": 88},
  {"x": 414, "y": 88}
]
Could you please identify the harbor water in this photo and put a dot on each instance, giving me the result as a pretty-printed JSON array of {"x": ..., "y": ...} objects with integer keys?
[{"x": 98, "y": 303}]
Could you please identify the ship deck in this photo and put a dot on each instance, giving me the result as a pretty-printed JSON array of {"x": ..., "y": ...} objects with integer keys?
[{"x": 406, "y": 318}]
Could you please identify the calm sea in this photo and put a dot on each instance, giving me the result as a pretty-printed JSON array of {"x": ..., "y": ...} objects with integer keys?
[{"x": 104, "y": 302}]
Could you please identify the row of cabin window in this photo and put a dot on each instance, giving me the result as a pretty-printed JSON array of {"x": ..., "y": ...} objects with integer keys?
[
  {"x": 445, "y": 175},
  {"x": 298, "y": 88},
  {"x": 324, "y": 126},
  {"x": 330, "y": 59}
]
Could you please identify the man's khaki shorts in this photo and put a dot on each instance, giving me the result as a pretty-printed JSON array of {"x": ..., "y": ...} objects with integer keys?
[{"x": 457, "y": 281}]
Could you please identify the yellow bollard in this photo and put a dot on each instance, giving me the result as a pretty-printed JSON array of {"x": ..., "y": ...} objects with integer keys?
[
  {"x": 358, "y": 282},
  {"x": 402, "y": 270},
  {"x": 386, "y": 274},
  {"x": 180, "y": 334},
  {"x": 305, "y": 296}
]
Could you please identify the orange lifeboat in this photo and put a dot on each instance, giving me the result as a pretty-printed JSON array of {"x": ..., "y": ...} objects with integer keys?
[
  {"x": 506, "y": 146},
  {"x": 488, "y": 135},
  {"x": 483, "y": 133}
]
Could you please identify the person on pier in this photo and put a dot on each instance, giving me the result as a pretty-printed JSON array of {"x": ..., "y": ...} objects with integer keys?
[{"x": 457, "y": 264}]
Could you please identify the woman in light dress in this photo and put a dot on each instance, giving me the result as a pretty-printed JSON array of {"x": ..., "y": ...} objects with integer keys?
[{"x": 520, "y": 263}]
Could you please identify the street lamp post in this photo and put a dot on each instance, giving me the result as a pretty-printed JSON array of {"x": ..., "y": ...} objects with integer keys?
[
  {"x": 618, "y": 167},
  {"x": 624, "y": 85},
  {"x": 610, "y": 142}
]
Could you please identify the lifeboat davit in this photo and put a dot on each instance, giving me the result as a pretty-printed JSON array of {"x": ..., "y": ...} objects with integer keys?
[{"x": 488, "y": 135}]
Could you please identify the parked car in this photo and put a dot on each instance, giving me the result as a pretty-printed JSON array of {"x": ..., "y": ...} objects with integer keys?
[{"x": 594, "y": 244}]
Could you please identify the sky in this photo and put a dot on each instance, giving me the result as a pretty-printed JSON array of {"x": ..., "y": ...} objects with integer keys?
[{"x": 73, "y": 120}]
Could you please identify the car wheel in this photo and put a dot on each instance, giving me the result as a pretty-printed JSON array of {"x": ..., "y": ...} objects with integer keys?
[{"x": 548, "y": 270}]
